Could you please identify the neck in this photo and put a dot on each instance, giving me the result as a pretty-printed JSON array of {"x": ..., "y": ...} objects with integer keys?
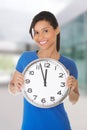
[{"x": 49, "y": 54}]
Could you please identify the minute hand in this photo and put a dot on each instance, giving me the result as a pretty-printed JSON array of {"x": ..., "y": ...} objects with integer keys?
[{"x": 44, "y": 77}]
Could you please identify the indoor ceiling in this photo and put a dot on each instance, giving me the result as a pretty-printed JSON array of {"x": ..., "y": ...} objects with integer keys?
[
  {"x": 32, "y": 6},
  {"x": 16, "y": 15}
]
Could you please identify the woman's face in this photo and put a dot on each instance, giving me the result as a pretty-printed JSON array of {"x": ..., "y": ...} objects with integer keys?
[{"x": 45, "y": 34}]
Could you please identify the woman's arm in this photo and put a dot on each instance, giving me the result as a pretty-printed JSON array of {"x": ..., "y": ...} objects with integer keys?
[
  {"x": 16, "y": 83},
  {"x": 72, "y": 83}
]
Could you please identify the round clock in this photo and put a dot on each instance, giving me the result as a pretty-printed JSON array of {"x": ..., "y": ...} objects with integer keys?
[{"x": 45, "y": 82}]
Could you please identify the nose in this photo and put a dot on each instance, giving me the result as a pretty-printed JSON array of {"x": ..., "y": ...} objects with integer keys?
[{"x": 40, "y": 36}]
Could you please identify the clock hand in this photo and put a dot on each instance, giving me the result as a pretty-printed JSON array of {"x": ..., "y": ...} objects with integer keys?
[
  {"x": 42, "y": 71},
  {"x": 44, "y": 77}
]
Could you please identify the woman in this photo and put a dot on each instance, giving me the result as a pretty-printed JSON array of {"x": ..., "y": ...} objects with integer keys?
[{"x": 45, "y": 32}]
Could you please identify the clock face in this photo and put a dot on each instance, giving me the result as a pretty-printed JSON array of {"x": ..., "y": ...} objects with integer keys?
[{"x": 45, "y": 82}]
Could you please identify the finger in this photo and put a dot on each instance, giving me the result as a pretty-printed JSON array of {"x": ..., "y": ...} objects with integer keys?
[
  {"x": 20, "y": 80},
  {"x": 18, "y": 87},
  {"x": 69, "y": 83}
]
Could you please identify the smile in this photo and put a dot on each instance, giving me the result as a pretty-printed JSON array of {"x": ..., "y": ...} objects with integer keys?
[{"x": 42, "y": 42}]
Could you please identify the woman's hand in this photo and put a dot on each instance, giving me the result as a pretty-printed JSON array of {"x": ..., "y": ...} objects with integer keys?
[
  {"x": 72, "y": 83},
  {"x": 16, "y": 83}
]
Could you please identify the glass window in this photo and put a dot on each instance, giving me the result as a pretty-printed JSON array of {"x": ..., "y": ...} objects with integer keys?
[{"x": 74, "y": 42}]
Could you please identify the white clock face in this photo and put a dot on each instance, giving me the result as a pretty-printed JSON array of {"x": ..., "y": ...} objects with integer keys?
[{"x": 45, "y": 82}]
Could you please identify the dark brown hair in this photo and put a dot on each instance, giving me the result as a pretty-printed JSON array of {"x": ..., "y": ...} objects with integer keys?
[{"x": 48, "y": 16}]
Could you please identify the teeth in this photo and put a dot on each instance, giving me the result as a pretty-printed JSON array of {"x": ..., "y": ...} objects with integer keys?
[{"x": 42, "y": 42}]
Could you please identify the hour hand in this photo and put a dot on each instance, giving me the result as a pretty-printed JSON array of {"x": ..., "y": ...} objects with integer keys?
[{"x": 45, "y": 78}]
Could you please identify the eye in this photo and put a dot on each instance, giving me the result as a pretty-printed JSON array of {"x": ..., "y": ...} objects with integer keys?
[
  {"x": 46, "y": 30},
  {"x": 36, "y": 32}
]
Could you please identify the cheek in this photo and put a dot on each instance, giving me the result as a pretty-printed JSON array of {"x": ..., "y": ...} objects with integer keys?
[
  {"x": 53, "y": 37},
  {"x": 34, "y": 38}
]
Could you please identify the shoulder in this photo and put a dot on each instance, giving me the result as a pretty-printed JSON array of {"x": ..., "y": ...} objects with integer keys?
[
  {"x": 67, "y": 60},
  {"x": 27, "y": 53},
  {"x": 25, "y": 58},
  {"x": 70, "y": 65}
]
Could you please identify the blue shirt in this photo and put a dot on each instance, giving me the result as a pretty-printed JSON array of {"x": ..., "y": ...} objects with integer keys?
[{"x": 54, "y": 118}]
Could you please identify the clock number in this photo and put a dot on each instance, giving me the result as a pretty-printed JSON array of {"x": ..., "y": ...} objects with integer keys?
[
  {"x": 35, "y": 96},
  {"x": 62, "y": 84},
  {"x": 59, "y": 92},
  {"x": 43, "y": 100},
  {"x": 47, "y": 65},
  {"x": 55, "y": 67},
  {"x": 27, "y": 81},
  {"x": 38, "y": 66},
  {"x": 61, "y": 75},
  {"x": 52, "y": 98},
  {"x": 29, "y": 90},
  {"x": 31, "y": 72}
]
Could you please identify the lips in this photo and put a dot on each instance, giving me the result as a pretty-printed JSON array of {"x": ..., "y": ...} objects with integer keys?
[{"x": 43, "y": 42}]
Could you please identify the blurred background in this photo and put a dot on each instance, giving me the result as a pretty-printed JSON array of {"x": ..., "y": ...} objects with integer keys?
[{"x": 15, "y": 19}]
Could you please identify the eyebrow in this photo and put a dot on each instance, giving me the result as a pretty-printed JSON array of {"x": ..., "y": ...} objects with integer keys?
[{"x": 43, "y": 28}]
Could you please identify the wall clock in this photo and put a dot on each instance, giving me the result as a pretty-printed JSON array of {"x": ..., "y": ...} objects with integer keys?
[{"x": 45, "y": 82}]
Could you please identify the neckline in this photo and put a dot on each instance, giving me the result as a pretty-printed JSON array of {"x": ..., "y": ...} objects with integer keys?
[{"x": 48, "y": 57}]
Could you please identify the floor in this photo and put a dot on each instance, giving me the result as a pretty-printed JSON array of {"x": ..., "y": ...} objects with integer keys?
[{"x": 11, "y": 111}]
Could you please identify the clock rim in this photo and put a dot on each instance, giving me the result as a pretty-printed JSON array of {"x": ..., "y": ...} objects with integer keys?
[{"x": 62, "y": 98}]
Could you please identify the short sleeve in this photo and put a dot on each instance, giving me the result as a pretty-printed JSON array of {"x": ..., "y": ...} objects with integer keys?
[
  {"x": 19, "y": 66},
  {"x": 70, "y": 65},
  {"x": 74, "y": 70}
]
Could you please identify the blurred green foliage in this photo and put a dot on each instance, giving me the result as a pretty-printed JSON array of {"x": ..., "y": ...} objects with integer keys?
[{"x": 6, "y": 63}]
